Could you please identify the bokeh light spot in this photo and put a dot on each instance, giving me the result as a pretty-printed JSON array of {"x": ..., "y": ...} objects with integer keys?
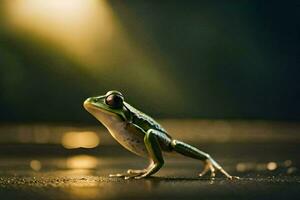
[
  {"x": 80, "y": 139},
  {"x": 35, "y": 165},
  {"x": 271, "y": 166}
]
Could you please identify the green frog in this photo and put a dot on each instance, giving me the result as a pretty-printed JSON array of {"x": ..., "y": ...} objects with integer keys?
[{"x": 142, "y": 135}]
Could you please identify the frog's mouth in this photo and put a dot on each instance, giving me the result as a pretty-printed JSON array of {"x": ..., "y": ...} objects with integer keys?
[
  {"x": 97, "y": 110},
  {"x": 93, "y": 109},
  {"x": 106, "y": 117}
]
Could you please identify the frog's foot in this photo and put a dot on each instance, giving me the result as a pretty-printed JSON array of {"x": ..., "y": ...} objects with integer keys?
[
  {"x": 211, "y": 165},
  {"x": 135, "y": 173},
  {"x": 129, "y": 174},
  {"x": 208, "y": 167}
]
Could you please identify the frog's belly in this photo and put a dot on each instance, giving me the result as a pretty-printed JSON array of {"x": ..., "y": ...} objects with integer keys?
[{"x": 132, "y": 139}]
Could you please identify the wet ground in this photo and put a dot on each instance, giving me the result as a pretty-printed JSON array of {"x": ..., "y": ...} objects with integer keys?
[{"x": 268, "y": 167}]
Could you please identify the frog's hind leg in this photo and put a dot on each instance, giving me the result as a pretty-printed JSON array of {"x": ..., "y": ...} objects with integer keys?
[{"x": 209, "y": 163}]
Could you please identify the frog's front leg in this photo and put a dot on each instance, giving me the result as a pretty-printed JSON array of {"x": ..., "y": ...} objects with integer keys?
[
  {"x": 154, "y": 151},
  {"x": 155, "y": 155},
  {"x": 131, "y": 173}
]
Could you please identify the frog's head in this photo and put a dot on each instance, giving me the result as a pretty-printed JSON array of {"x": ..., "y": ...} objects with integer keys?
[{"x": 107, "y": 108}]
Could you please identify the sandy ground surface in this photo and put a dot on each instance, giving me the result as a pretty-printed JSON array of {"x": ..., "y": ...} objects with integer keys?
[
  {"x": 84, "y": 176},
  {"x": 268, "y": 167}
]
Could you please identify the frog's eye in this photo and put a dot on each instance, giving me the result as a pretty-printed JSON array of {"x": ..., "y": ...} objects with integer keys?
[{"x": 114, "y": 101}]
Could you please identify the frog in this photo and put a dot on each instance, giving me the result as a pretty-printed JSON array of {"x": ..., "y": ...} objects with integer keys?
[{"x": 142, "y": 135}]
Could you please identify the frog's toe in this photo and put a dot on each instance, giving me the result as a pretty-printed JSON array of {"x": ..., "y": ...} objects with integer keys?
[
  {"x": 203, "y": 173},
  {"x": 131, "y": 173},
  {"x": 141, "y": 176},
  {"x": 135, "y": 176},
  {"x": 212, "y": 166},
  {"x": 228, "y": 175},
  {"x": 130, "y": 176},
  {"x": 212, "y": 171},
  {"x": 134, "y": 171},
  {"x": 234, "y": 178},
  {"x": 208, "y": 167},
  {"x": 205, "y": 170}
]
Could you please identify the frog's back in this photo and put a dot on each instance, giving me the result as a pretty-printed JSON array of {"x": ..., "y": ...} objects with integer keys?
[{"x": 144, "y": 121}]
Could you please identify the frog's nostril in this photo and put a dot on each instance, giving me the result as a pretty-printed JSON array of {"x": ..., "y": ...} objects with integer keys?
[{"x": 89, "y": 100}]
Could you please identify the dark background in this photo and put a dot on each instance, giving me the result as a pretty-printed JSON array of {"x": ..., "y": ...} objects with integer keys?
[{"x": 204, "y": 59}]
